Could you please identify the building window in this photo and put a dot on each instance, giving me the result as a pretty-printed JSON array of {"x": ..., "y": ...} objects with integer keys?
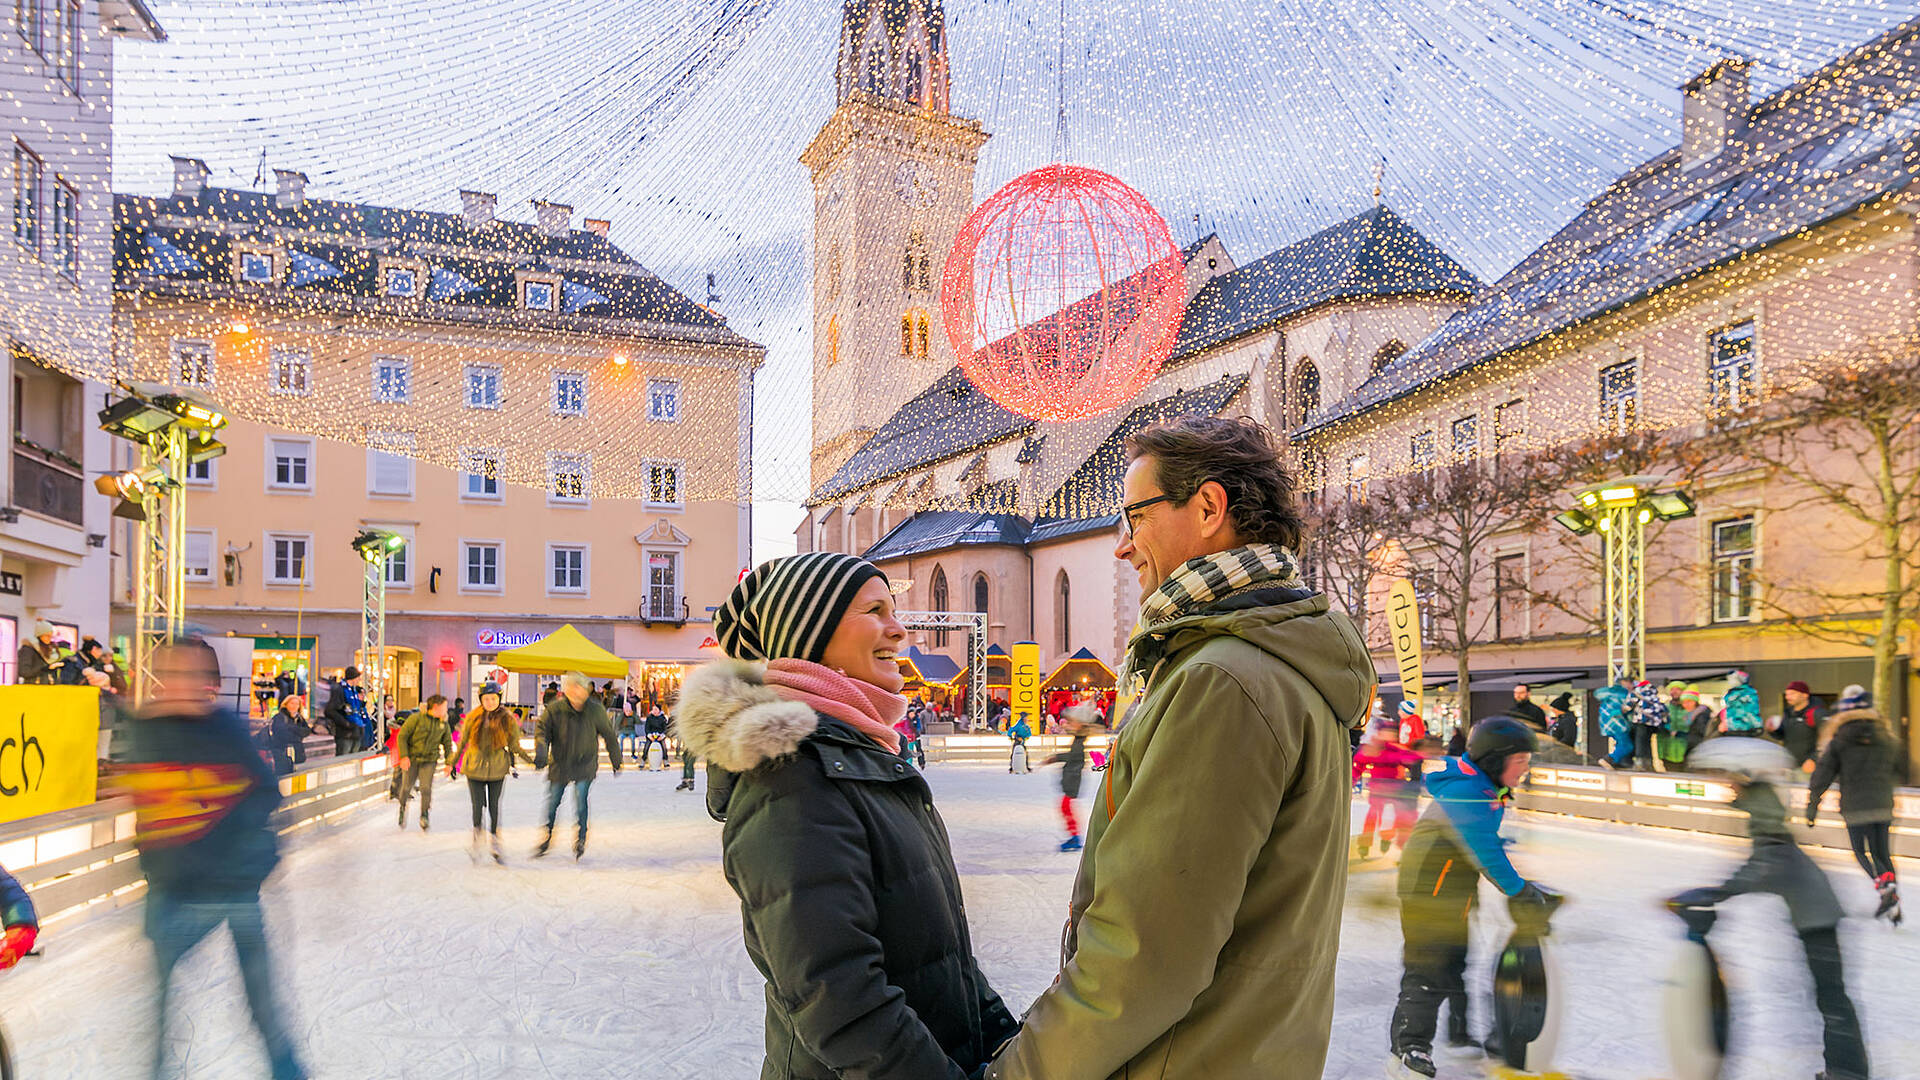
[
  {"x": 980, "y": 593},
  {"x": 399, "y": 565},
  {"x": 66, "y": 228},
  {"x": 483, "y": 386},
  {"x": 1420, "y": 450},
  {"x": 1308, "y": 383},
  {"x": 392, "y": 380},
  {"x": 1063, "y": 607},
  {"x": 915, "y": 335},
  {"x": 402, "y": 281},
  {"x": 1384, "y": 357},
  {"x": 1619, "y": 397},
  {"x": 663, "y": 484},
  {"x": 193, "y": 363},
  {"x": 569, "y": 568},
  {"x": 663, "y": 585},
  {"x": 256, "y": 268},
  {"x": 569, "y": 393},
  {"x": 1424, "y": 597},
  {"x": 287, "y": 559},
  {"x": 567, "y": 478},
  {"x": 390, "y": 463},
  {"x": 1466, "y": 438},
  {"x": 290, "y": 470},
  {"x": 833, "y": 341},
  {"x": 65, "y": 54},
  {"x": 916, "y": 264},
  {"x": 1730, "y": 379},
  {"x": 480, "y": 566},
  {"x": 199, "y": 556},
  {"x": 537, "y": 295},
  {"x": 1733, "y": 546},
  {"x": 1509, "y": 596},
  {"x": 28, "y": 174},
  {"x": 201, "y": 474},
  {"x": 663, "y": 401},
  {"x": 940, "y": 604},
  {"x": 1313, "y": 472},
  {"x": 1509, "y": 422},
  {"x": 1357, "y": 473},
  {"x": 289, "y": 371},
  {"x": 480, "y": 474}
]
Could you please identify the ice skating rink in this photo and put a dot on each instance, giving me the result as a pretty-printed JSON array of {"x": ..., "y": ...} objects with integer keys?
[{"x": 402, "y": 958}]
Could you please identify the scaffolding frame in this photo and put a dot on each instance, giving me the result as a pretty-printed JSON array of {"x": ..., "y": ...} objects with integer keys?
[
  {"x": 975, "y": 625},
  {"x": 160, "y": 554}
]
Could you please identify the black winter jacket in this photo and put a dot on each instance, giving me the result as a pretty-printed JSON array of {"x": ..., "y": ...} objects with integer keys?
[
  {"x": 1800, "y": 731},
  {"x": 848, "y": 894},
  {"x": 1861, "y": 757},
  {"x": 569, "y": 735}
]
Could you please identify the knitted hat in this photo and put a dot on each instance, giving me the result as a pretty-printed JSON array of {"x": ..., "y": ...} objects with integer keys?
[
  {"x": 43, "y": 628},
  {"x": 1800, "y": 686},
  {"x": 789, "y": 608},
  {"x": 1854, "y": 696},
  {"x": 1690, "y": 692},
  {"x": 1738, "y": 678},
  {"x": 1563, "y": 703},
  {"x": 1406, "y": 707},
  {"x": 350, "y": 674}
]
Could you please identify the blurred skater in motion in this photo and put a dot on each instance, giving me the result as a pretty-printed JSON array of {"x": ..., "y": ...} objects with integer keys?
[
  {"x": 202, "y": 802},
  {"x": 21, "y": 926},
  {"x": 486, "y": 756},
  {"x": 1861, "y": 757},
  {"x": 1392, "y": 775},
  {"x": 1075, "y": 720},
  {"x": 1456, "y": 842},
  {"x": 1778, "y": 866},
  {"x": 572, "y": 729}
]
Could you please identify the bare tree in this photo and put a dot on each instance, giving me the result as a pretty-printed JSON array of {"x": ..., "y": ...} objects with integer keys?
[
  {"x": 1842, "y": 440},
  {"x": 1343, "y": 549}
]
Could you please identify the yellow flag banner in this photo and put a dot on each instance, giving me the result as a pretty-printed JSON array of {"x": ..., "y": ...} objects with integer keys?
[
  {"x": 1025, "y": 700},
  {"x": 1403, "y": 621},
  {"x": 49, "y": 747}
]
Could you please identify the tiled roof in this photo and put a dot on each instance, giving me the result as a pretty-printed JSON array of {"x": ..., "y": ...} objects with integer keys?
[
  {"x": 1092, "y": 493},
  {"x": 938, "y": 530},
  {"x": 1371, "y": 254},
  {"x": 334, "y": 249},
  {"x": 1819, "y": 149},
  {"x": 948, "y": 418},
  {"x": 935, "y": 668}
]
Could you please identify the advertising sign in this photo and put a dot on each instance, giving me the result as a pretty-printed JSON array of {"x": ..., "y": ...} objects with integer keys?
[
  {"x": 49, "y": 749},
  {"x": 496, "y": 640},
  {"x": 1403, "y": 622},
  {"x": 1026, "y": 683}
]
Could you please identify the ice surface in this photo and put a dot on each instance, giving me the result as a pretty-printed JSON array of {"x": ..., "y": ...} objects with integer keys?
[{"x": 401, "y": 958}]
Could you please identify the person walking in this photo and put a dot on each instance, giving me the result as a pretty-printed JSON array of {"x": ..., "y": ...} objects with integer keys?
[
  {"x": 425, "y": 740},
  {"x": 205, "y": 868},
  {"x": 565, "y": 745},
  {"x": 1800, "y": 729},
  {"x": 1219, "y": 838},
  {"x": 486, "y": 756},
  {"x": 1861, "y": 756},
  {"x": 850, "y": 904}
]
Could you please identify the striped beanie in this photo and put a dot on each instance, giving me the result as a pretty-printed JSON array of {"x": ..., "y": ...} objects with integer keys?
[{"x": 789, "y": 608}]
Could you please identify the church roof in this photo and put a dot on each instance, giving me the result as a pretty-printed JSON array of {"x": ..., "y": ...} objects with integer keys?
[
  {"x": 1371, "y": 254},
  {"x": 1091, "y": 495},
  {"x": 948, "y": 418},
  {"x": 1823, "y": 147},
  {"x": 940, "y": 530}
]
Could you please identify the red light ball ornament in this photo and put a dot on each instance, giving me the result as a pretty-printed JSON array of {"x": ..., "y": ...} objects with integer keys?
[{"x": 1063, "y": 294}]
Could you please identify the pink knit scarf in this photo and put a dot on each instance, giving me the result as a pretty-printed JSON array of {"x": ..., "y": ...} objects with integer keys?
[{"x": 871, "y": 710}]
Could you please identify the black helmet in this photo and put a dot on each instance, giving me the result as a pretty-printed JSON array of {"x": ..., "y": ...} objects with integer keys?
[{"x": 1492, "y": 742}]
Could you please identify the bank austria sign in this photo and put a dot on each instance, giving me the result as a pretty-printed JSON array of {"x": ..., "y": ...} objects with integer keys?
[{"x": 505, "y": 639}]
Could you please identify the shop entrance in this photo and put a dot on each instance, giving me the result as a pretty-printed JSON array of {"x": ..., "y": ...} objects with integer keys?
[{"x": 273, "y": 657}]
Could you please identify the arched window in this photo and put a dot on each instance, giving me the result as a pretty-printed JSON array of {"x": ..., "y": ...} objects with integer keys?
[
  {"x": 980, "y": 593},
  {"x": 915, "y": 330},
  {"x": 833, "y": 341},
  {"x": 1063, "y": 612},
  {"x": 1387, "y": 355},
  {"x": 916, "y": 264},
  {"x": 1308, "y": 385},
  {"x": 916, "y": 76},
  {"x": 939, "y": 603}
]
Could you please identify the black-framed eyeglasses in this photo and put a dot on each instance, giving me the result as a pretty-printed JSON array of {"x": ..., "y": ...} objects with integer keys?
[{"x": 1127, "y": 511}]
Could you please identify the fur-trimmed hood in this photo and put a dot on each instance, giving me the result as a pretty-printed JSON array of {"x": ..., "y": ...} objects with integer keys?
[{"x": 730, "y": 717}]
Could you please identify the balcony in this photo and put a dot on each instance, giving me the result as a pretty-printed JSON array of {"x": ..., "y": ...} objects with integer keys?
[
  {"x": 47, "y": 482},
  {"x": 664, "y": 612}
]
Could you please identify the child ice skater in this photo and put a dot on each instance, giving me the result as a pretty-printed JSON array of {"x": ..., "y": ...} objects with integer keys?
[
  {"x": 1392, "y": 774},
  {"x": 1073, "y": 763}
]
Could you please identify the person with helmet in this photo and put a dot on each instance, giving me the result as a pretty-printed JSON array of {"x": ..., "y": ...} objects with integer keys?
[
  {"x": 1412, "y": 728},
  {"x": 1777, "y": 865},
  {"x": 1392, "y": 774},
  {"x": 1456, "y": 842}
]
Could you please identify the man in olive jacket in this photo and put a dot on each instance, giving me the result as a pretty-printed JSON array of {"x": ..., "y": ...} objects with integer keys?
[
  {"x": 568, "y": 730},
  {"x": 1205, "y": 919}
]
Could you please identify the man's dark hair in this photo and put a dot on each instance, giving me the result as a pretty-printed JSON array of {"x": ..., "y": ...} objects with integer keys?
[
  {"x": 1239, "y": 455},
  {"x": 437, "y": 699}
]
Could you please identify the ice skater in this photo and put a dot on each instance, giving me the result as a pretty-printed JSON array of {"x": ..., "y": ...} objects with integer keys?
[
  {"x": 1074, "y": 721},
  {"x": 424, "y": 741},
  {"x": 1019, "y": 731},
  {"x": 1860, "y": 755},
  {"x": 21, "y": 925},
  {"x": 1392, "y": 775},
  {"x": 569, "y": 728},
  {"x": 1778, "y": 866},
  {"x": 486, "y": 756},
  {"x": 1455, "y": 843}
]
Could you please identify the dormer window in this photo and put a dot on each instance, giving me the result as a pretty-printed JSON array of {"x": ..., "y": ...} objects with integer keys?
[
  {"x": 539, "y": 295},
  {"x": 256, "y": 268},
  {"x": 402, "y": 281}
]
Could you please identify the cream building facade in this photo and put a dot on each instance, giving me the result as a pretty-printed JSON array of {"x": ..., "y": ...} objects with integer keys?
[{"x": 560, "y": 436}]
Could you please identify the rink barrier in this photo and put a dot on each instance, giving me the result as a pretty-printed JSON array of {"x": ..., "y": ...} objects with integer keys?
[
  {"x": 1699, "y": 803},
  {"x": 85, "y": 858},
  {"x": 987, "y": 746}
]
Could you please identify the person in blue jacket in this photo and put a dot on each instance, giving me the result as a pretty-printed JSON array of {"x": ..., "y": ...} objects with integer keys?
[
  {"x": 16, "y": 915},
  {"x": 1455, "y": 843},
  {"x": 1616, "y": 703}
]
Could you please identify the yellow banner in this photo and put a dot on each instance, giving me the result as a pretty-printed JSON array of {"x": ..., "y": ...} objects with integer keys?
[
  {"x": 1025, "y": 701},
  {"x": 1403, "y": 621},
  {"x": 49, "y": 747}
]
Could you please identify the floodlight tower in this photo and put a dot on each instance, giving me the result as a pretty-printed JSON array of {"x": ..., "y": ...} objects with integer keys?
[
  {"x": 1619, "y": 511},
  {"x": 173, "y": 429},
  {"x": 376, "y": 547}
]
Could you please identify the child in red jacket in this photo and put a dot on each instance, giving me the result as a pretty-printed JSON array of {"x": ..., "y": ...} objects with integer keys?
[{"x": 1393, "y": 783}]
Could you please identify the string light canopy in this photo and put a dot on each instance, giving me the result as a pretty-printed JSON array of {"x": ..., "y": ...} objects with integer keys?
[{"x": 1063, "y": 294}]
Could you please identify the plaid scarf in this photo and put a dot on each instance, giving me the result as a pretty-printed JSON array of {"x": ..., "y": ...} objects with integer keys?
[{"x": 1205, "y": 580}]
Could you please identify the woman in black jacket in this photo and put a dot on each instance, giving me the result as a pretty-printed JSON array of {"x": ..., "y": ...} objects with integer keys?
[
  {"x": 1860, "y": 755},
  {"x": 849, "y": 898}
]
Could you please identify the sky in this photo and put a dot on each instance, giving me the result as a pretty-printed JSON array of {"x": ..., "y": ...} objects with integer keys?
[{"x": 682, "y": 121}]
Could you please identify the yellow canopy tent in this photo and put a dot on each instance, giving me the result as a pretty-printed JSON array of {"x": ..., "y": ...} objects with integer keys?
[{"x": 564, "y": 650}]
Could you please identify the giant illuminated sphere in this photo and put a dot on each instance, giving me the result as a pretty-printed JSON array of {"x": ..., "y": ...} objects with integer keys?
[{"x": 1063, "y": 294}]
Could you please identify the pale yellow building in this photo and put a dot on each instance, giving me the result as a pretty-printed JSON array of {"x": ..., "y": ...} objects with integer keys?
[{"x": 560, "y": 435}]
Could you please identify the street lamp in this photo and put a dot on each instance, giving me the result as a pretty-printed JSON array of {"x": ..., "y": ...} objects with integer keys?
[
  {"x": 376, "y": 547},
  {"x": 1619, "y": 511}
]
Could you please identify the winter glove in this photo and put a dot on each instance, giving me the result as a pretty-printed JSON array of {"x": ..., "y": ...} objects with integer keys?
[
  {"x": 1696, "y": 908},
  {"x": 17, "y": 943},
  {"x": 1533, "y": 906}
]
